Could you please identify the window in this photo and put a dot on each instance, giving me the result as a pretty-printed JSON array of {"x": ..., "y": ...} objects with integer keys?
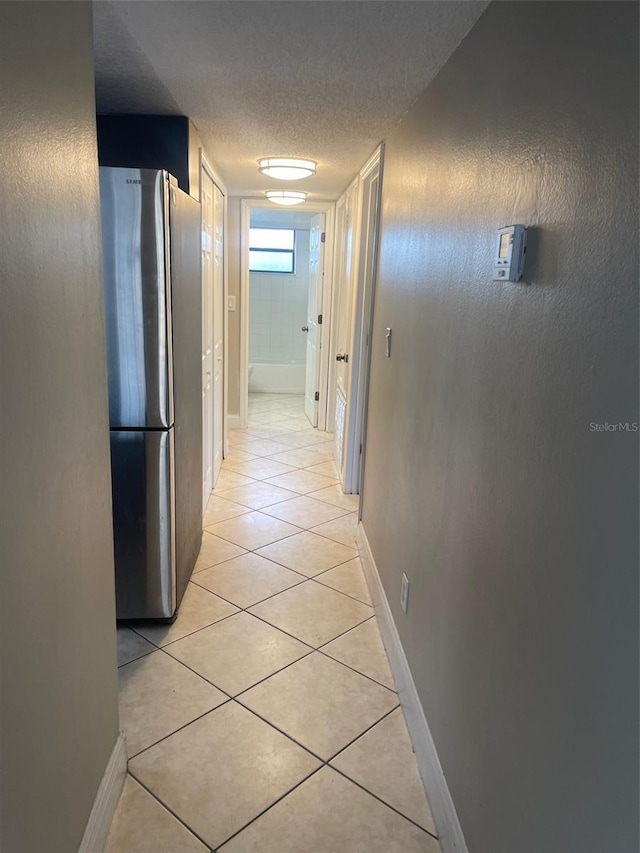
[{"x": 271, "y": 250}]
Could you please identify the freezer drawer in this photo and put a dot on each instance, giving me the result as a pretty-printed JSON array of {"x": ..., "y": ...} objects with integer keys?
[{"x": 143, "y": 481}]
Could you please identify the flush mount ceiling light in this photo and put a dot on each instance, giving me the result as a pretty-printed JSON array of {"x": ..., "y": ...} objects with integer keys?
[
  {"x": 285, "y": 197},
  {"x": 287, "y": 168}
]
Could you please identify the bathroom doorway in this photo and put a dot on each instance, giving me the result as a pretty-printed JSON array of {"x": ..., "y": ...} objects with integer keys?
[{"x": 284, "y": 259}]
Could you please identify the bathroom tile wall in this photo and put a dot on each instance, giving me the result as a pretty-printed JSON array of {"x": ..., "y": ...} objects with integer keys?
[{"x": 278, "y": 310}]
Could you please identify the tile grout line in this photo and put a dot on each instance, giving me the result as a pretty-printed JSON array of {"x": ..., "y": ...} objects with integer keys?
[
  {"x": 222, "y": 496},
  {"x": 304, "y": 578},
  {"x": 180, "y": 728},
  {"x": 315, "y": 648},
  {"x": 236, "y": 698},
  {"x": 328, "y": 586},
  {"x": 375, "y": 796},
  {"x": 325, "y": 763},
  {"x": 164, "y": 806},
  {"x": 311, "y": 648},
  {"x": 280, "y": 565},
  {"x": 190, "y": 634},
  {"x": 288, "y": 536},
  {"x": 279, "y": 730},
  {"x": 260, "y": 601},
  {"x": 235, "y": 695},
  {"x": 264, "y": 811},
  {"x": 195, "y": 631},
  {"x": 275, "y": 628}
]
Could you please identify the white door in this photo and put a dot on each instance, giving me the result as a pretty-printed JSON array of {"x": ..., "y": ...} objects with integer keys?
[
  {"x": 207, "y": 336},
  {"x": 342, "y": 319},
  {"x": 355, "y": 430},
  {"x": 218, "y": 330},
  {"x": 313, "y": 331}
]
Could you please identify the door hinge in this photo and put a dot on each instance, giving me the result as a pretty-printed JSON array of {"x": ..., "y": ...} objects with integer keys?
[
  {"x": 323, "y": 237},
  {"x": 319, "y": 319},
  {"x": 316, "y": 396}
]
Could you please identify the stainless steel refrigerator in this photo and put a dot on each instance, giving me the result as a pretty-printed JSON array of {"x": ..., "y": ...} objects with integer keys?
[{"x": 151, "y": 257}]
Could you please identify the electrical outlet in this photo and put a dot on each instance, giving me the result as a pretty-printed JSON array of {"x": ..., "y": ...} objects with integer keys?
[{"x": 404, "y": 593}]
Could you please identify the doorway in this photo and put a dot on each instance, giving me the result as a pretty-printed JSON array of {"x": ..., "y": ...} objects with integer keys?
[{"x": 285, "y": 296}]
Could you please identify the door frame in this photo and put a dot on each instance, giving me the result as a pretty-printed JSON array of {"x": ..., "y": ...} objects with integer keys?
[
  {"x": 317, "y": 223},
  {"x": 328, "y": 208},
  {"x": 214, "y": 175},
  {"x": 369, "y": 286},
  {"x": 365, "y": 273}
]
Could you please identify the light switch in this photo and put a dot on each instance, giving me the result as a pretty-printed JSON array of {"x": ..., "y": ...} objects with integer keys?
[
  {"x": 231, "y": 303},
  {"x": 387, "y": 342}
]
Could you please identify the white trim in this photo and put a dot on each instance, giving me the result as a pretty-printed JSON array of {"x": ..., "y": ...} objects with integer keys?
[
  {"x": 205, "y": 164},
  {"x": 365, "y": 242},
  {"x": 328, "y": 208},
  {"x": 325, "y": 338},
  {"x": 344, "y": 277},
  {"x": 233, "y": 422},
  {"x": 213, "y": 173},
  {"x": 245, "y": 224},
  {"x": 335, "y": 272},
  {"x": 444, "y": 813},
  {"x": 106, "y": 801},
  {"x": 370, "y": 250}
]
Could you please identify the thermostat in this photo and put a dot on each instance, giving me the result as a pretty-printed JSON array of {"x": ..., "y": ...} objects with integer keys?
[{"x": 511, "y": 245}]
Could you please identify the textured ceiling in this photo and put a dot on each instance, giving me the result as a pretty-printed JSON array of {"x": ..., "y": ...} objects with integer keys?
[{"x": 322, "y": 79}]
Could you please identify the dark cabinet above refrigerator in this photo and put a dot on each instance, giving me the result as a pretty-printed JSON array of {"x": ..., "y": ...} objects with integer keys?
[{"x": 152, "y": 142}]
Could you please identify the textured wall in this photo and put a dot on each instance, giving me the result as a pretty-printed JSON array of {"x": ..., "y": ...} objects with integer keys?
[
  {"x": 515, "y": 522},
  {"x": 58, "y": 668}
]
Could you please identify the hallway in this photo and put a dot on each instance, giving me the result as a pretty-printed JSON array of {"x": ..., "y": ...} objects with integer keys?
[{"x": 265, "y": 717}]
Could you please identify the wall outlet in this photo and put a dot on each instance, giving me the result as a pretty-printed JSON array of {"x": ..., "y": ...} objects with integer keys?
[{"x": 404, "y": 593}]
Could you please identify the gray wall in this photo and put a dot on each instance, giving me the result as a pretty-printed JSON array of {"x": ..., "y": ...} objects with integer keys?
[
  {"x": 516, "y": 524},
  {"x": 58, "y": 698}
]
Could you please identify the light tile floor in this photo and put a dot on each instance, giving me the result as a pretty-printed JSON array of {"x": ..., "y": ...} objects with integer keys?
[{"x": 266, "y": 718}]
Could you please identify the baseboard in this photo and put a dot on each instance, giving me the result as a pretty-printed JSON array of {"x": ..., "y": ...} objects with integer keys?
[
  {"x": 234, "y": 422},
  {"x": 106, "y": 801},
  {"x": 277, "y": 389},
  {"x": 444, "y": 814}
]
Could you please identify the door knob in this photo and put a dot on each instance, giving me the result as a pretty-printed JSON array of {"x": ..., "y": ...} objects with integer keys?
[
  {"x": 304, "y": 329},
  {"x": 343, "y": 356}
]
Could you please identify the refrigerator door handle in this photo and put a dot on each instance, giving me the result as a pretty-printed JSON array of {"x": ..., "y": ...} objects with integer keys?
[{"x": 167, "y": 196}]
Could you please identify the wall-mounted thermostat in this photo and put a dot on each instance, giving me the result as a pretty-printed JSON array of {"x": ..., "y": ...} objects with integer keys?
[{"x": 511, "y": 245}]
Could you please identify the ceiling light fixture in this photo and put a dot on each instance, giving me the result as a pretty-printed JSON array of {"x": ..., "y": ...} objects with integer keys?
[
  {"x": 286, "y": 197},
  {"x": 287, "y": 168}
]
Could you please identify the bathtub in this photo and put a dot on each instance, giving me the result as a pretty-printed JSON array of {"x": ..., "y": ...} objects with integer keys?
[{"x": 276, "y": 378}]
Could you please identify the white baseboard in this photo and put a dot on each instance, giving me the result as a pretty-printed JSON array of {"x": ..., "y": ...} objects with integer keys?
[
  {"x": 106, "y": 801},
  {"x": 442, "y": 807},
  {"x": 234, "y": 422}
]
